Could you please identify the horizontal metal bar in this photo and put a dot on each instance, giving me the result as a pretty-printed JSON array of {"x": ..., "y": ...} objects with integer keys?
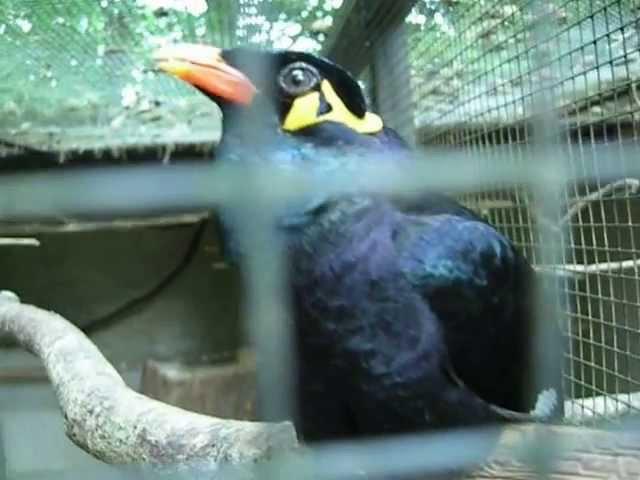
[
  {"x": 149, "y": 190},
  {"x": 70, "y": 225},
  {"x": 19, "y": 242},
  {"x": 406, "y": 454},
  {"x": 182, "y": 188}
]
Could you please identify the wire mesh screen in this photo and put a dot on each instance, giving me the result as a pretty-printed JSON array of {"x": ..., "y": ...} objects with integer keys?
[
  {"x": 77, "y": 75},
  {"x": 475, "y": 78}
]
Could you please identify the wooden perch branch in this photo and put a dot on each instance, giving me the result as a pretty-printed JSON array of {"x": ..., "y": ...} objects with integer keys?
[{"x": 118, "y": 425}]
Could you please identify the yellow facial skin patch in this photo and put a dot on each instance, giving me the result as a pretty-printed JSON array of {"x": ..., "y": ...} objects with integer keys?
[{"x": 304, "y": 113}]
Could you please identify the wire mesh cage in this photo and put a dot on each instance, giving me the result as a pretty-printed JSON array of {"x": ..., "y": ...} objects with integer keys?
[
  {"x": 61, "y": 55},
  {"x": 481, "y": 92},
  {"x": 526, "y": 111}
]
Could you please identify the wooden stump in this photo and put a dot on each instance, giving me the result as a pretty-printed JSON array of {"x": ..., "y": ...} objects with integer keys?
[{"x": 224, "y": 391}]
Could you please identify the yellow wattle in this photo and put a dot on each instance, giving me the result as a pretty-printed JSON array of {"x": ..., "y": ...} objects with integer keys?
[{"x": 304, "y": 113}]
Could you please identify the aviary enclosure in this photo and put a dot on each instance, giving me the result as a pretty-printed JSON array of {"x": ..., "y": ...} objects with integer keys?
[{"x": 526, "y": 111}]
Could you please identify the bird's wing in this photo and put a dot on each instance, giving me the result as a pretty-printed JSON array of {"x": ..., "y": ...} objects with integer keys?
[
  {"x": 480, "y": 288},
  {"x": 456, "y": 257}
]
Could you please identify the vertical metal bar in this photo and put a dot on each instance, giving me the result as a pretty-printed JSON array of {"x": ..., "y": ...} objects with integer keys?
[
  {"x": 546, "y": 188},
  {"x": 263, "y": 261},
  {"x": 3, "y": 457},
  {"x": 267, "y": 314}
]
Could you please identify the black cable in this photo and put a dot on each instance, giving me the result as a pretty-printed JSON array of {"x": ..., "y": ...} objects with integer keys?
[{"x": 117, "y": 314}]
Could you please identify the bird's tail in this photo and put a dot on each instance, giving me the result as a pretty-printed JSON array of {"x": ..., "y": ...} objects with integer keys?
[{"x": 544, "y": 410}]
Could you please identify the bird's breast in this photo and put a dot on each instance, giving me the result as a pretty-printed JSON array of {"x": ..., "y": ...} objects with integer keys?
[{"x": 352, "y": 300}]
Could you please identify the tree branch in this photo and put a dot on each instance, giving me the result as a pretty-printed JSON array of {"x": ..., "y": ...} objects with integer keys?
[{"x": 118, "y": 425}]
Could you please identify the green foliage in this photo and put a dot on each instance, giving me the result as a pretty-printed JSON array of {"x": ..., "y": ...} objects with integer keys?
[
  {"x": 85, "y": 65},
  {"x": 481, "y": 61},
  {"x": 286, "y": 23}
]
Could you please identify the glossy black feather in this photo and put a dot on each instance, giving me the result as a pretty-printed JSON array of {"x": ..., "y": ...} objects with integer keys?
[
  {"x": 480, "y": 288},
  {"x": 409, "y": 314},
  {"x": 373, "y": 351}
]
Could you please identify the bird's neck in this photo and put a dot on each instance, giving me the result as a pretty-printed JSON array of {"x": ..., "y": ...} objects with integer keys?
[
  {"x": 335, "y": 216},
  {"x": 336, "y": 226},
  {"x": 244, "y": 128}
]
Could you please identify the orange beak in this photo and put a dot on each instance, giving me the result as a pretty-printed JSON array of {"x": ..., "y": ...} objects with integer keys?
[{"x": 203, "y": 66}]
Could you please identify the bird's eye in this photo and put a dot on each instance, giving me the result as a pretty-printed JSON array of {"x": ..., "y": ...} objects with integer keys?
[{"x": 298, "y": 78}]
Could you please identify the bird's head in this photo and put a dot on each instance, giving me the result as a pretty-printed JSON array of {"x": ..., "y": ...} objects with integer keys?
[
  {"x": 292, "y": 110},
  {"x": 305, "y": 92}
]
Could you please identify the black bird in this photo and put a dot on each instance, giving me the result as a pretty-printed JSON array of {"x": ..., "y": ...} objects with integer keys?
[{"x": 408, "y": 315}]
